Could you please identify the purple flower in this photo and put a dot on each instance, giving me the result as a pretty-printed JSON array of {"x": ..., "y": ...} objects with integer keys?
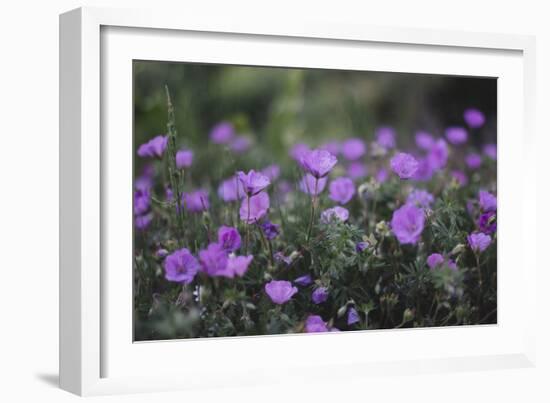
[
  {"x": 474, "y": 118},
  {"x": 407, "y": 224},
  {"x": 196, "y": 201},
  {"x": 304, "y": 280},
  {"x": 487, "y": 222},
  {"x": 341, "y": 190},
  {"x": 382, "y": 175},
  {"x": 154, "y": 147},
  {"x": 456, "y": 135},
  {"x": 353, "y": 316},
  {"x": 315, "y": 324},
  {"x": 357, "y": 170},
  {"x": 141, "y": 222},
  {"x": 298, "y": 151},
  {"x": 280, "y": 291},
  {"x": 280, "y": 257},
  {"x": 145, "y": 180},
  {"x": 222, "y": 133},
  {"x": 438, "y": 154},
  {"x": 214, "y": 260},
  {"x": 259, "y": 205},
  {"x": 385, "y": 137},
  {"x": 238, "y": 265},
  {"x": 253, "y": 182},
  {"x": 420, "y": 198},
  {"x": 272, "y": 172},
  {"x": 229, "y": 238},
  {"x": 473, "y": 160},
  {"x": 460, "y": 177},
  {"x": 479, "y": 241},
  {"x": 333, "y": 147},
  {"x": 270, "y": 230},
  {"x": 424, "y": 140},
  {"x": 335, "y": 213},
  {"x": 240, "y": 144},
  {"x": 435, "y": 259},
  {"x": 353, "y": 149},
  {"x": 487, "y": 201},
  {"x": 231, "y": 189},
  {"x": 142, "y": 201},
  {"x": 319, "y": 295},
  {"x": 284, "y": 188},
  {"x": 490, "y": 150},
  {"x": 181, "y": 266},
  {"x": 361, "y": 246},
  {"x": 184, "y": 158},
  {"x": 318, "y": 162},
  {"x": 404, "y": 165},
  {"x": 424, "y": 172},
  {"x": 451, "y": 264},
  {"x": 311, "y": 185},
  {"x": 161, "y": 253}
]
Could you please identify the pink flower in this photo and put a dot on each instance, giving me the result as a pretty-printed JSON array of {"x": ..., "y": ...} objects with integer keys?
[
  {"x": 222, "y": 133},
  {"x": 259, "y": 205},
  {"x": 479, "y": 241},
  {"x": 184, "y": 158},
  {"x": 318, "y": 162},
  {"x": 341, "y": 190},
  {"x": 424, "y": 140},
  {"x": 404, "y": 165},
  {"x": 238, "y": 265},
  {"x": 473, "y": 160},
  {"x": 357, "y": 170},
  {"x": 154, "y": 147},
  {"x": 335, "y": 213},
  {"x": 229, "y": 238},
  {"x": 487, "y": 201},
  {"x": 280, "y": 291},
  {"x": 438, "y": 154},
  {"x": 311, "y": 185},
  {"x": 474, "y": 118},
  {"x": 181, "y": 266},
  {"x": 196, "y": 201},
  {"x": 231, "y": 190},
  {"x": 298, "y": 151},
  {"x": 253, "y": 182},
  {"x": 315, "y": 324},
  {"x": 353, "y": 149},
  {"x": 385, "y": 137},
  {"x": 407, "y": 224},
  {"x": 434, "y": 260},
  {"x": 456, "y": 135}
]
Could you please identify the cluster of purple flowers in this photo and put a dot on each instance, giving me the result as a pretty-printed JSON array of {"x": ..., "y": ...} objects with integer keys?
[
  {"x": 217, "y": 260},
  {"x": 331, "y": 176}
]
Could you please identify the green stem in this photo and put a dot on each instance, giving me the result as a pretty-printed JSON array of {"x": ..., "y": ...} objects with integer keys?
[
  {"x": 247, "y": 224},
  {"x": 175, "y": 175},
  {"x": 479, "y": 299},
  {"x": 312, "y": 215},
  {"x": 267, "y": 245}
]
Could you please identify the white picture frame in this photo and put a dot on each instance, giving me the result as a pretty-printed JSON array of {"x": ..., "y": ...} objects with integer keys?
[{"x": 96, "y": 354}]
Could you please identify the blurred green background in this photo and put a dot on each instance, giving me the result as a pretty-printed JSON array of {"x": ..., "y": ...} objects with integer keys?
[{"x": 278, "y": 107}]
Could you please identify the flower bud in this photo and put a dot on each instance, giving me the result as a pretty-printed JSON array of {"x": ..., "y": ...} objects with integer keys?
[
  {"x": 458, "y": 249},
  {"x": 382, "y": 228},
  {"x": 408, "y": 315}
]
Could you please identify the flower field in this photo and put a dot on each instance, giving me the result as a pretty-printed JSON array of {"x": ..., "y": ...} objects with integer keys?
[{"x": 262, "y": 208}]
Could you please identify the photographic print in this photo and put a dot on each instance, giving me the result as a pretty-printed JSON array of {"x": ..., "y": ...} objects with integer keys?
[{"x": 271, "y": 200}]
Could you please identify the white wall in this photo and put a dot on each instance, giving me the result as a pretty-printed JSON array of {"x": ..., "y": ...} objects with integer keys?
[{"x": 29, "y": 196}]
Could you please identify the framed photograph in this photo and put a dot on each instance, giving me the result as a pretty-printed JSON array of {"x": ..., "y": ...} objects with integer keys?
[{"x": 246, "y": 203}]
